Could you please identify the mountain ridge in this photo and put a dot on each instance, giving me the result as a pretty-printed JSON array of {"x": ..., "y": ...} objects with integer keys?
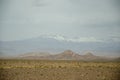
[
  {"x": 51, "y": 43},
  {"x": 69, "y": 55}
]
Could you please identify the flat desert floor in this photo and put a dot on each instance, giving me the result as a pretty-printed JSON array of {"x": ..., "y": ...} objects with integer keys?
[{"x": 15, "y": 69}]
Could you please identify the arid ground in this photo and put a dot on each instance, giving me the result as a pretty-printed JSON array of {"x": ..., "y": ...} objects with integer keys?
[{"x": 15, "y": 69}]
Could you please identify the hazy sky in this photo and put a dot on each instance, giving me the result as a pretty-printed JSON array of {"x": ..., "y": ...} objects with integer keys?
[{"x": 95, "y": 20}]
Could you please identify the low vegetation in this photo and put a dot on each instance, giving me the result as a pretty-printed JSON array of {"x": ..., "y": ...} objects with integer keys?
[{"x": 16, "y": 69}]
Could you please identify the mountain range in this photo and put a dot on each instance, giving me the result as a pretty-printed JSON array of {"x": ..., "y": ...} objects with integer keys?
[
  {"x": 55, "y": 44},
  {"x": 66, "y": 55}
]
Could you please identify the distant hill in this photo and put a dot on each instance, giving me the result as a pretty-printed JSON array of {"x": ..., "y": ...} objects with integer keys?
[
  {"x": 65, "y": 55},
  {"x": 117, "y": 59},
  {"x": 35, "y": 54}
]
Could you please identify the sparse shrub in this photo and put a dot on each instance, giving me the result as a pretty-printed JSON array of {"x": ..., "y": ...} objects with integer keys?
[{"x": 59, "y": 66}]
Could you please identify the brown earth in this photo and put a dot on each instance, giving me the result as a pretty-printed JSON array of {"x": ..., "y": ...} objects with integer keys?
[{"x": 58, "y": 70}]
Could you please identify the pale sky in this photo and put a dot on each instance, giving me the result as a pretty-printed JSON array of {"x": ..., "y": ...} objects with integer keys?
[{"x": 95, "y": 20}]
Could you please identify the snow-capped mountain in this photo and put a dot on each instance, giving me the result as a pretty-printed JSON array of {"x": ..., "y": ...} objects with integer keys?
[{"x": 57, "y": 43}]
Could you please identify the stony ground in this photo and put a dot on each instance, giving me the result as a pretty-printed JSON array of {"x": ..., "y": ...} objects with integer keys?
[{"x": 58, "y": 70}]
